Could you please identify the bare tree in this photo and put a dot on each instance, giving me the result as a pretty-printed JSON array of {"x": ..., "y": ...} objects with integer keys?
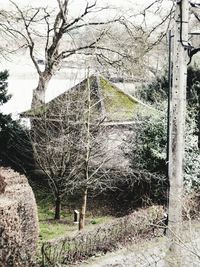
[
  {"x": 56, "y": 34},
  {"x": 69, "y": 144},
  {"x": 55, "y": 141}
]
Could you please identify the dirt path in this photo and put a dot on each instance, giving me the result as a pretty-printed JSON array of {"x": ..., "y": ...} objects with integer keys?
[
  {"x": 135, "y": 255},
  {"x": 151, "y": 253}
]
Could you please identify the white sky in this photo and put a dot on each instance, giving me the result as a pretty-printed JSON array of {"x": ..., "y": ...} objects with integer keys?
[
  {"x": 5, "y": 3},
  {"x": 23, "y": 78},
  {"x": 77, "y": 3}
]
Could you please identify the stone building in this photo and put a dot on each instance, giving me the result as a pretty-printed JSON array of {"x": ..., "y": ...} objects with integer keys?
[{"x": 105, "y": 104}]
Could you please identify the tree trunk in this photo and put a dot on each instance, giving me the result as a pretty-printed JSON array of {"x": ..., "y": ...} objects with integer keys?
[
  {"x": 57, "y": 208},
  {"x": 86, "y": 174},
  {"x": 198, "y": 122},
  {"x": 38, "y": 98},
  {"x": 83, "y": 210}
]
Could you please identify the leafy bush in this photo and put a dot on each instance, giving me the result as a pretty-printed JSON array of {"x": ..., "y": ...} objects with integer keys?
[
  {"x": 192, "y": 157},
  {"x": 156, "y": 92},
  {"x": 148, "y": 153},
  {"x": 149, "y": 148},
  {"x": 15, "y": 148}
]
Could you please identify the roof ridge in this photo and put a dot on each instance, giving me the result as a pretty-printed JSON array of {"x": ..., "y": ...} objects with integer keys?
[
  {"x": 99, "y": 91},
  {"x": 95, "y": 82}
]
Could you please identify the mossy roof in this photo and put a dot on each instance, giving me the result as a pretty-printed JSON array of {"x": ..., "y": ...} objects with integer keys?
[{"x": 115, "y": 103}]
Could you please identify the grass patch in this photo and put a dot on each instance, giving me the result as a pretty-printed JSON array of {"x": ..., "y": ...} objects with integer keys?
[{"x": 50, "y": 228}]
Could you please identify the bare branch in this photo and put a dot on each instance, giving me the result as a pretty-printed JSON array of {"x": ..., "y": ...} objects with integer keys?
[
  {"x": 92, "y": 24},
  {"x": 29, "y": 37},
  {"x": 76, "y": 20}
]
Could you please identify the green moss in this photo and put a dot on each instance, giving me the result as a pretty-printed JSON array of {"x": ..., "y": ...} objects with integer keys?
[
  {"x": 36, "y": 112},
  {"x": 119, "y": 106}
]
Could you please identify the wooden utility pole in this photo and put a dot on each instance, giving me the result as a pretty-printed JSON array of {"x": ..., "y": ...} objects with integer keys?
[{"x": 177, "y": 131}]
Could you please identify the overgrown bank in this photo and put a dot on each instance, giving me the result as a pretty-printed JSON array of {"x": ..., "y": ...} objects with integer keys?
[{"x": 67, "y": 250}]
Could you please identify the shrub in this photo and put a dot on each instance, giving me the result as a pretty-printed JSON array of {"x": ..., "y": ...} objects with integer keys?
[{"x": 105, "y": 238}]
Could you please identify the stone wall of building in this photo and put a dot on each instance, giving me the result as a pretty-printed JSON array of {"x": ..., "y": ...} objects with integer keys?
[{"x": 18, "y": 220}]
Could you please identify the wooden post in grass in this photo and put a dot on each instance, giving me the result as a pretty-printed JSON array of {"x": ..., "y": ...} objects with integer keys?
[{"x": 76, "y": 216}]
